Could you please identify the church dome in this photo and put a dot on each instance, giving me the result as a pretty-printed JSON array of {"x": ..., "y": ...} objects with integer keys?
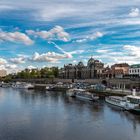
[
  {"x": 91, "y": 61},
  {"x": 80, "y": 64}
]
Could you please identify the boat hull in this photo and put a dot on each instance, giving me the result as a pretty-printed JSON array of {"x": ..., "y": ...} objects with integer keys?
[
  {"x": 114, "y": 104},
  {"x": 83, "y": 98},
  {"x": 135, "y": 111}
]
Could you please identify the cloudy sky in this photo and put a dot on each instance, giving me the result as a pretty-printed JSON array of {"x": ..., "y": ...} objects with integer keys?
[{"x": 38, "y": 33}]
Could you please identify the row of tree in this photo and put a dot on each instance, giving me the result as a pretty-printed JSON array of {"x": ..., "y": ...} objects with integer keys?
[
  {"x": 38, "y": 73},
  {"x": 35, "y": 73}
]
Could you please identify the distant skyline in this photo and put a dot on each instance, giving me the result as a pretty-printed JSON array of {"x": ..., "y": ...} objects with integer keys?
[{"x": 38, "y": 33}]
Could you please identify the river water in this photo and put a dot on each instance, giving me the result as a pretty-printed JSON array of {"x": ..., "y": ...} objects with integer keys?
[{"x": 40, "y": 115}]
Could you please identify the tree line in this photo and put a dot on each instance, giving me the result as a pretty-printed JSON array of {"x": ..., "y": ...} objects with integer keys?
[{"x": 34, "y": 74}]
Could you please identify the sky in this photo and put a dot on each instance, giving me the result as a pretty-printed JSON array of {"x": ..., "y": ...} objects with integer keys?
[{"x": 39, "y": 33}]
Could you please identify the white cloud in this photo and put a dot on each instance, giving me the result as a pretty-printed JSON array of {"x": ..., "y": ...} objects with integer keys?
[
  {"x": 18, "y": 60},
  {"x": 10, "y": 68},
  {"x": 135, "y": 12},
  {"x": 128, "y": 54},
  {"x": 75, "y": 61},
  {"x": 2, "y": 61},
  {"x": 62, "y": 11},
  {"x": 102, "y": 51},
  {"x": 15, "y": 37},
  {"x": 132, "y": 50},
  {"x": 56, "y": 33},
  {"x": 76, "y": 52},
  {"x": 31, "y": 67},
  {"x": 53, "y": 56},
  {"x": 2, "y": 67},
  {"x": 90, "y": 37},
  {"x": 5, "y": 7},
  {"x": 68, "y": 54},
  {"x": 81, "y": 40},
  {"x": 96, "y": 35},
  {"x": 49, "y": 57}
]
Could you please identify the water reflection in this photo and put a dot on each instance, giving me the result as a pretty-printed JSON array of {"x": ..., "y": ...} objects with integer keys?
[
  {"x": 41, "y": 115},
  {"x": 134, "y": 119}
]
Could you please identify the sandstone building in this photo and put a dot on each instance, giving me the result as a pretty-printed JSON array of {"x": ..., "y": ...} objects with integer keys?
[{"x": 93, "y": 69}]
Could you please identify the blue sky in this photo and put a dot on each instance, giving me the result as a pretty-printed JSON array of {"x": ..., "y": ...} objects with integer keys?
[{"x": 38, "y": 33}]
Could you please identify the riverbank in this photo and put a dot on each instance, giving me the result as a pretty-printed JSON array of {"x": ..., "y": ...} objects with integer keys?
[
  {"x": 64, "y": 87},
  {"x": 101, "y": 93}
]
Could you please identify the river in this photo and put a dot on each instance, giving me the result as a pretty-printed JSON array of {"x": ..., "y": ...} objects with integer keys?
[{"x": 40, "y": 115}]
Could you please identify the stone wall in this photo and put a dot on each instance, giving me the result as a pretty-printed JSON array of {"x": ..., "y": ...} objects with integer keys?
[{"x": 118, "y": 83}]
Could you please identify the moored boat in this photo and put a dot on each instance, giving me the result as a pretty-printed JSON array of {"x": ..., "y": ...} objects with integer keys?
[
  {"x": 133, "y": 103},
  {"x": 130, "y": 102},
  {"x": 95, "y": 97},
  {"x": 5, "y": 85},
  {"x": 49, "y": 86},
  {"x": 116, "y": 101},
  {"x": 22, "y": 85},
  {"x": 84, "y": 95},
  {"x": 72, "y": 92}
]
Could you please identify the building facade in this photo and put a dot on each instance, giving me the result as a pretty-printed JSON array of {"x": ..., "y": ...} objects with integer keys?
[
  {"x": 93, "y": 69},
  {"x": 119, "y": 70},
  {"x": 134, "y": 70},
  {"x": 3, "y": 73}
]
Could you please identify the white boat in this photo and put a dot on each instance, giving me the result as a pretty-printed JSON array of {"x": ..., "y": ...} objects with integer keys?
[
  {"x": 116, "y": 101},
  {"x": 72, "y": 92},
  {"x": 129, "y": 103},
  {"x": 21, "y": 85},
  {"x": 133, "y": 103},
  {"x": 5, "y": 85},
  {"x": 49, "y": 86},
  {"x": 84, "y": 95},
  {"x": 95, "y": 97}
]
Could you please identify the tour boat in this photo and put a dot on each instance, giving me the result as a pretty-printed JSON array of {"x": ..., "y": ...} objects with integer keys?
[
  {"x": 130, "y": 102},
  {"x": 82, "y": 94},
  {"x": 133, "y": 103},
  {"x": 116, "y": 101},
  {"x": 22, "y": 85}
]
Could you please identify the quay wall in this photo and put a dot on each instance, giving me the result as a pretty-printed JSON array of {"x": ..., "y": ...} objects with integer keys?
[{"x": 117, "y": 83}]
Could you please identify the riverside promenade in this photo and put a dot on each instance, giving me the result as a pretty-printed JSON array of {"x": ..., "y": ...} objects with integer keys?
[{"x": 123, "y": 84}]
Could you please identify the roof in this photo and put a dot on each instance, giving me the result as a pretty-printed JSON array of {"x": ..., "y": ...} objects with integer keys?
[
  {"x": 120, "y": 65},
  {"x": 91, "y": 60},
  {"x": 80, "y": 64},
  {"x": 134, "y": 97},
  {"x": 135, "y": 66}
]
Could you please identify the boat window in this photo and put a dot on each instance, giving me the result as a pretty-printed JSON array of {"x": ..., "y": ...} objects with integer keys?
[{"x": 133, "y": 100}]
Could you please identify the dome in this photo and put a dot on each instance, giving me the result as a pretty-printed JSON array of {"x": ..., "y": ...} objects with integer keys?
[
  {"x": 80, "y": 64},
  {"x": 91, "y": 61}
]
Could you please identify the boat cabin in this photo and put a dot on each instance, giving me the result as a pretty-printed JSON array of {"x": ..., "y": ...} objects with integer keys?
[{"x": 134, "y": 99}]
